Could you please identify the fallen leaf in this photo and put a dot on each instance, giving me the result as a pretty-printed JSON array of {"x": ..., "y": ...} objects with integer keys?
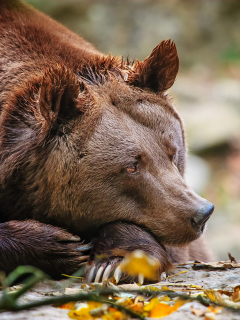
[
  {"x": 82, "y": 314},
  {"x": 100, "y": 311},
  {"x": 117, "y": 315},
  {"x": 214, "y": 309},
  {"x": 137, "y": 262},
  {"x": 231, "y": 258},
  {"x": 69, "y": 306},
  {"x": 197, "y": 312},
  {"x": 237, "y": 288},
  {"x": 176, "y": 274},
  {"x": 83, "y": 310},
  {"x": 214, "y": 296},
  {"x": 164, "y": 288},
  {"x": 227, "y": 293},
  {"x": 236, "y": 296},
  {"x": 210, "y": 316},
  {"x": 152, "y": 304},
  {"x": 164, "y": 298},
  {"x": 196, "y": 287},
  {"x": 162, "y": 309},
  {"x": 216, "y": 265},
  {"x": 137, "y": 307}
]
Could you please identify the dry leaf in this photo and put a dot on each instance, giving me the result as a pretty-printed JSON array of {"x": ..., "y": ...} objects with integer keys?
[
  {"x": 227, "y": 293},
  {"x": 194, "y": 286},
  {"x": 69, "y": 306},
  {"x": 152, "y": 304},
  {"x": 117, "y": 315},
  {"x": 236, "y": 296},
  {"x": 214, "y": 309},
  {"x": 137, "y": 307},
  {"x": 163, "y": 309},
  {"x": 214, "y": 296},
  {"x": 197, "y": 312},
  {"x": 82, "y": 311},
  {"x": 216, "y": 265},
  {"x": 137, "y": 262},
  {"x": 231, "y": 258},
  {"x": 164, "y": 298},
  {"x": 210, "y": 316},
  {"x": 82, "y": 314}
]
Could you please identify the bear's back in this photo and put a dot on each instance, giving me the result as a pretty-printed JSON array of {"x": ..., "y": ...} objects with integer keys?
[{"x": 31, "y": 42}]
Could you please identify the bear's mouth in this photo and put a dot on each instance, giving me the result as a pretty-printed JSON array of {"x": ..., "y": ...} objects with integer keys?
[
  {"x": 201, "y": 227},
  {"x": 160, "y": 240}
]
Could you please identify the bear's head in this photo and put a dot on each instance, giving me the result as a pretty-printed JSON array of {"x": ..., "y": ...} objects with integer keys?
[{"x": 86, "y": 146}]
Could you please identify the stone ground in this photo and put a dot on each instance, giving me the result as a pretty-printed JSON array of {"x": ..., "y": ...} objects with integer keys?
[{"x": 208, "y": 278}]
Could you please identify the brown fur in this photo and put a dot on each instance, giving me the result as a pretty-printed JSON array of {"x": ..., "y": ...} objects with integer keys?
[
  {"x": 43, "y": 246},
  {"x": 72, "y": 121}
]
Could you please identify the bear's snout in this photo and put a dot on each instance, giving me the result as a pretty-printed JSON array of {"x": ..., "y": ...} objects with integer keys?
[{"x": 202, "y": 215}]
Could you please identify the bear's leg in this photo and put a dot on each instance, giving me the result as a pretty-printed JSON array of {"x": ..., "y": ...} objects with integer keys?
[
  {"x": 49, "y": 248},
  {"x": 113, "y": 241}
]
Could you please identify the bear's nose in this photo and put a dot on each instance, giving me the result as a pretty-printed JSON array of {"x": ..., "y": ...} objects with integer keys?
[{"x": 202, "y": 215}]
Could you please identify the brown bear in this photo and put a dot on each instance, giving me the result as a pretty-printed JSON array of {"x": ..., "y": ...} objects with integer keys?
[{"x": 91, "y": 148}]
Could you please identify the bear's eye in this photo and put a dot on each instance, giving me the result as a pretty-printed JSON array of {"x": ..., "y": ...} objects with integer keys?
[
  {"x": 131, "y": 169},
  {"x": 174, "y": 159}
]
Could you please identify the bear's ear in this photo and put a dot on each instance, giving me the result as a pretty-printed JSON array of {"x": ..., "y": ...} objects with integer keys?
[
  {"x": 58, "y": 94},
  {"x": 159, "y": 70}
]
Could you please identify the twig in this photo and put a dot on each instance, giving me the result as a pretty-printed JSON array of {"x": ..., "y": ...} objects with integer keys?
[
  {"x": 65, "y": 299},
  {"x": 176, "y": 274}
]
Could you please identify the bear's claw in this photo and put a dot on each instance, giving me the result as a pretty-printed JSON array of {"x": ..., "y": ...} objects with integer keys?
[
  {"x": 101, "y": 274},
  {"x": 117, "y": 274},
  {"x": 85, "y": 247},
  {"x": 106, "y": 273}
]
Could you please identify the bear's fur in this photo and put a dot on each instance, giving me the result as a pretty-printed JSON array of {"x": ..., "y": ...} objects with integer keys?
[{"x": 89, "y": 144}]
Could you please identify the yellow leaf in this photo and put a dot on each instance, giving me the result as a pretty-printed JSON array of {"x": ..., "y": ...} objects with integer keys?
[
  {"x": 94, "y": 304},
  {"x": 214, "y": 296},
  {"x": 196, "y": 287},
  {"x": 82, "y": 314},
  {"x": 236, "y": 296},
  {"x": 137, "y": 307},
  {"x": 83, "y": 310},
  {"x": 137, "y": 262},
  {"x": 176, "y": 274},
  {"x": 117, "y": 315},
  {"x": 179, "y": 303},
  {"x": 152, "y": 304},
  {"x": 214, "y": 309},
  {"x": 69, "y": 306},
  {"x": 237, "y": 288},
  {"x": 164, "y": 298},
  {"x": 164, "y": 288},
  {"x": 150, "y": 288},
  {"x": 163, "y": 309}
]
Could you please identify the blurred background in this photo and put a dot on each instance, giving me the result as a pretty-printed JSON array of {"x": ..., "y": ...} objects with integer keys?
[{"x": 207, "y": 90}]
